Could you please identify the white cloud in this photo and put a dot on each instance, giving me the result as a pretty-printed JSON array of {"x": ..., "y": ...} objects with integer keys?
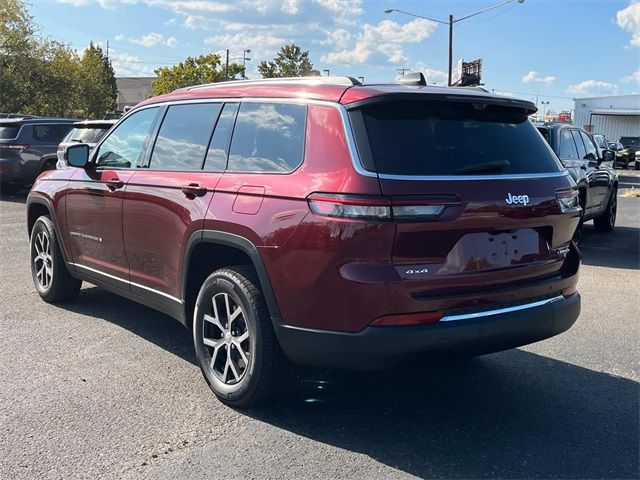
[
  {"x": 629, "y": 20},
  {"x": 386, "y": 38},
  {"x": 262, "y": 44},
  {"x": 119, "y": 37},
  {"x": 127, "y": 65},
  {"x": 535, "y": 77},
  {"x": 431, "y": 75},
  {"x": 593, "y": 87},
  {"x": 154, "y": 39},
  {"x": 634, "y": 77},
  {"x": 291, "y": 7}
]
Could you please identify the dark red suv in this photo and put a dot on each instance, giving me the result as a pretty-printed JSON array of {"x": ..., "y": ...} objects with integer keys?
[{"x": 318, "y": 220}]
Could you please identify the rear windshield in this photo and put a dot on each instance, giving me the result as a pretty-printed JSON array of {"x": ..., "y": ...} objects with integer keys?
[
  {"x": 633, "y": 141},
  {"x": 85, "y": 134},
  {"x": 8, "y": 132},
  {"x": 449, "y": 138}
]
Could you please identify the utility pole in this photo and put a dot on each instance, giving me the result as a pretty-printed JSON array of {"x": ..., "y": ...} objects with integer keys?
[
  {"x": 450, "y": 47},
  {"x": 226, "y": 67},
  {"x": 107, "y": 51},
  {"x": 402, "y": 70}
]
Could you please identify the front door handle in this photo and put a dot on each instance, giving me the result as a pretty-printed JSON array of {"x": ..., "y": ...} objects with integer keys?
[
  {"x": 114, "y": 184},
  {"x": 194, "y": 190}
]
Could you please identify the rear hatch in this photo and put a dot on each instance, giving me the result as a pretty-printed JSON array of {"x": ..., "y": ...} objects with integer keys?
[
  {"x": 10, "y": 147},
  {"x": 475, "y": 191}
]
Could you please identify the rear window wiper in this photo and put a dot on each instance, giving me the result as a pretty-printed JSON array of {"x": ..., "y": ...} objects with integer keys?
[{"x": 484, "y": 167}]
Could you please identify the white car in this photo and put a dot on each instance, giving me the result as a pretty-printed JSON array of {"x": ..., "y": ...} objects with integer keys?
[{"x": 88, "y": 131}]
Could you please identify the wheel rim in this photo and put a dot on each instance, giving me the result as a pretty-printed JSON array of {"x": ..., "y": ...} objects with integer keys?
[
  {"x": 43, "y": 260},
  {"x": 225, "y": 334}
]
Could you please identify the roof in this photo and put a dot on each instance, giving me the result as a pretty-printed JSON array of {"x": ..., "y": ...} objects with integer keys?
[
  {"x": 94, "y": 123},
  {"x": 344, "y": 90},
  {"x": 18, "y": 121}
]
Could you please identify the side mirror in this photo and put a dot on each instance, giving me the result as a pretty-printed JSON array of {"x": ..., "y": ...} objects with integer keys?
[
  {"x": 77, "y": 155},
  {"x": 608, "y": 156}
]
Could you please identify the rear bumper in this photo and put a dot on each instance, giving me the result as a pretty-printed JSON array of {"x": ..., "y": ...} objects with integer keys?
[{"x": 380, "y": 347}]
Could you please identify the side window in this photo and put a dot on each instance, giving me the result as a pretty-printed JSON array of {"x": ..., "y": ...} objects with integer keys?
[
  {"x": 268, "y": 138},
  {"x": 567, "y": 148},
  {"x": 183, "y": 137},
  {"x": 126, "y": 145},
  {"x": 217, "y": 155},
  {"x": 576, "y": 137},
  {"x": 61, "y": 131},
  {"x": 592, "y": 151},
  {"x": 44, "y": 133}
]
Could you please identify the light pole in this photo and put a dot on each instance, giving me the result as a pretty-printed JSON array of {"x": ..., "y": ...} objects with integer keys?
[
  {"x": 450, "y": 23},
  {"x": 244, "y": 58},
  {"x": 543, "y": 103},
  {"x": 327, "y": 72}
]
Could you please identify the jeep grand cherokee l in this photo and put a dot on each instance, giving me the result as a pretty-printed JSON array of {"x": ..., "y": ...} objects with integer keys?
[{"x": 321, "y": 221}]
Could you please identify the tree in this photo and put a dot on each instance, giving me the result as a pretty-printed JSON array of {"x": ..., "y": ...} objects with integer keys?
[
  {"x": 290, "y": 62},
  {"x": 194, "y": 71},
  {"x": 98, "y": 89}
]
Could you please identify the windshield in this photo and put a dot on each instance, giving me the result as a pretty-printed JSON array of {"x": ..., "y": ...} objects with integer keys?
[
  {"x": 633, "y": 141},
  {"x": 85, "y": 135},
  {"x": 8, "y": 132},
  {"x": 449, "y": 138}
]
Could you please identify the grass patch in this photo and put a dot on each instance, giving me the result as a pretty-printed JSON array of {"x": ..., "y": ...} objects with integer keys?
[{"x": 631, "y": 193}]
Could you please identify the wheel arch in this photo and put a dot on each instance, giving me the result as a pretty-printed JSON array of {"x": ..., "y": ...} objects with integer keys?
[
  {"x": 208, "y": 250},
  {"x": 38, "y": 206}
]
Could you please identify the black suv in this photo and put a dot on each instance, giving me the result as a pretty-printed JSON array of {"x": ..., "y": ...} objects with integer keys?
[
  {"x": 593, "y": 173},
  {"x": 630, "y": 145},
  {"x": 23, "y": 144}
]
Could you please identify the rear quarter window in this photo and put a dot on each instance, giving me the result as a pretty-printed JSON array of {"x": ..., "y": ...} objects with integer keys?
[
  {"x": 436, "y": 138},
  {"x": 8, "y": 133}
]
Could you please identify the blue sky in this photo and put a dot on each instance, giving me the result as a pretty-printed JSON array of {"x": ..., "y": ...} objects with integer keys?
[{"x": 550, "y": 49}]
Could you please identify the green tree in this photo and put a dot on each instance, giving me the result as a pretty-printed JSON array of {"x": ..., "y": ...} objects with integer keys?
[
  {"x": 98, "y": 89},
  {"x": 291, "y": 61},
  {"x": 194, "y": 71}
]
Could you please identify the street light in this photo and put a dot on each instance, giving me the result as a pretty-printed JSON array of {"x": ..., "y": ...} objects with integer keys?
[
  {"x": 244, "y": 58},
  {"x": 450, "y": 23}
]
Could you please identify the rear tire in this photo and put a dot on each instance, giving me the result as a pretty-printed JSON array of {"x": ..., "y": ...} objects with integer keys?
[
  {"x": 607, "y": 220},
  {"x": 53, "y": 281},
  {"x": 235, "y": 343}
]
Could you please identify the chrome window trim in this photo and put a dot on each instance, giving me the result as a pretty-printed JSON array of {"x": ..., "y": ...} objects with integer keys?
[
  {"x": 134, "y": 284},
  {"x": 488, "y": 313},
  {"x": 515, "y": 176}
]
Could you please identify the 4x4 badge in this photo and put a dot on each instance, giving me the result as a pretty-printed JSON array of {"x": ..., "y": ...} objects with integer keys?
[{"x": 514, "y": 199}]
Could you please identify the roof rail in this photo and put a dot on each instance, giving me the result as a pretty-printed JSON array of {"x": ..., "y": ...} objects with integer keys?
[{"x": 343, "y": 81}]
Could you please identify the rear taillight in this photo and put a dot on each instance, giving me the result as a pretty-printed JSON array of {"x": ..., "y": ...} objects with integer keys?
[
  {"x": 568, "y": 200},
  {"x": 15, "y": 146},
  {"x": 379, "y": 208}
]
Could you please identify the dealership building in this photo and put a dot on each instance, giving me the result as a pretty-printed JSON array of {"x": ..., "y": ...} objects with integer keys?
[{"x": 613, "y": 116}]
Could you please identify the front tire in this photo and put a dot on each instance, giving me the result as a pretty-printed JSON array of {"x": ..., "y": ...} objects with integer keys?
[
  {"x": 235, "y": 343},
  {"x": 52, "y": 280},
  {"x": 607, "y": 220}
]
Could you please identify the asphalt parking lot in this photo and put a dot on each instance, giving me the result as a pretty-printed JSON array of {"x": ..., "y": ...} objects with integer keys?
[{"x": 102, "y": 387}]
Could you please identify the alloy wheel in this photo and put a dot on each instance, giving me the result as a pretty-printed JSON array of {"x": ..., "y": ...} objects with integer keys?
[
  {"x": 43, "y": 260},
  {"x": 225, "y": 333}
]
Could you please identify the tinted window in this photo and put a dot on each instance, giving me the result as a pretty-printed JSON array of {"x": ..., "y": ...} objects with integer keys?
[
  {"x": 86, "y": 134},
  {"x": 184, "y": 135},
  {"x": 630, "y": 141},
  {"x": 592, "y": 151},
  {"x": 576, "y": 137},
  {"x": 46, "y": 133},
  {"x": 126, "y": 145},
  {"x": 268, "y": 138},
  {"x": 217, "y": 155},
  {"x": 600, "y": 141},
  {"x": 451, "y": 138},
  {"x": 567, "y": 147},
  {"x": 8, "y": 132}
]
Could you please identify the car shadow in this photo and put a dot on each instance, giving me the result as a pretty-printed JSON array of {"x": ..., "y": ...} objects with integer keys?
[
  {"x": 513, "y": 414},
  {"x": 509, "y": 415},
  {"x": 617, "y": 249},
  {"x": 20, "y": 197}
]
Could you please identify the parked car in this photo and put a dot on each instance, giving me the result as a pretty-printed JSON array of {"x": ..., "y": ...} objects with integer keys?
[
  {"x": 87, "y": 131},
  {"x": 24, "y": 145},
  {"x": 319, "y": 221},
  {"x": 592, "y": 171},
  {"x": 601, "y": 142},
  {"x": 637, "y": 160},
  {"x": 630, "y": 146}
]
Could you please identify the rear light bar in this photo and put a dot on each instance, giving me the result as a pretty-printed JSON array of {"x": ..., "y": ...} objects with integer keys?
[
  {"x": 379, "y": 208},
  {"x": 408, "y": 319},
  {"x": 569, "y": 200}
]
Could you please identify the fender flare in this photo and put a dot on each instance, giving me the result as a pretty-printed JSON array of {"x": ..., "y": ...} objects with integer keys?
[
  {"x": 242, "y": 244},
  {"x": 40, "y": 200}
]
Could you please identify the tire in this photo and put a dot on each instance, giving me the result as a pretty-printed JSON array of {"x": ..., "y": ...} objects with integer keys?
[
  {"x": 50, "y": 275},
  {"x": 241, "y": 372},
  {"x": 607, "y": 220},
  {"x": 9, "y": 189}
]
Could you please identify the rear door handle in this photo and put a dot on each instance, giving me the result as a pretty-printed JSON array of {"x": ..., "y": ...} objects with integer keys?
[
  {"x": 194, "y": 190},
  {"x": 114, "y": 184}
]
